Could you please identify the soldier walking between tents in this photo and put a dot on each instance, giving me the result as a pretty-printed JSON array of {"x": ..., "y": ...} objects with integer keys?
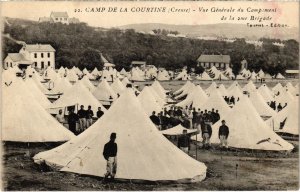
[
  {"x": 72, "y": 119},
  {"x": 99, "y": 112},
  {"x": 223, "y": 134},
  {"x": 184, "y": 141},
  {"x": 155, "y": 119},
  {"x": 82, "y": 115},
  {"x": 89, "y": 116},
  {"x": 110, "y": 155},
  {"x": 206, "y": 133}
]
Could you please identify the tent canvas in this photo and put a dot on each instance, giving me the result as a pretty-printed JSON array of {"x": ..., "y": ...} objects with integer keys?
[
  {"x": 104, "y": 92},
  {"x": 24, "y": 121},
  {"x": 117, "y": 86},
  {"x": 196, "y": 98},
  {"x": 290, "y": 115},
  {"x": 260, "y": 104},
  {"x": 148, "y": 101},
  {"x": 177, "y": 130}
]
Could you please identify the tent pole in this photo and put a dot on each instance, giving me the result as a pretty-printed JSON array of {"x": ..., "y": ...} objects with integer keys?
[{"x": 196, "y": 146}]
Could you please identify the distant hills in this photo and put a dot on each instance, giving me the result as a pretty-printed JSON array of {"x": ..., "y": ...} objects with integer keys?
[{"x": 221, "y": 30}]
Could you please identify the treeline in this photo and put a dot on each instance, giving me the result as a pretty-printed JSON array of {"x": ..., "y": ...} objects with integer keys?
[{"x": 79, "y": 45}]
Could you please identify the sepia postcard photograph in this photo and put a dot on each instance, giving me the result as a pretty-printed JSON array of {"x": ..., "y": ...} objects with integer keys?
[{"x": 149, "y": 95}]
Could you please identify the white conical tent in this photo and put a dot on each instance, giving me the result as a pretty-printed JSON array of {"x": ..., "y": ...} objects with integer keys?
[
  {"x": 24, "y": 121},
  {"x": 260, "y": 104},
  {"x": 236, "y": 92},
  {"x": 204, "y": 77},
  {"x": 163, "y": 75},
  {"x": 186, "y": 91},
  {"x": 289, "y": 116},
  {"x": 95, "y": 72},
  {"x": 284, "y": 97},
  {"x": 85, "y": 80},
  {"x": 254, "y": 76},
  {"x": 61, "y": 71},
  {"x": 280, "y": 76},
  {"x": 249, "y": 86},
  {"x": 85, "y": 71},
  {"x": 248, "y": 130},
  {"x": 222, "y": 90},
  {"x": 140, "y": 147},
  {"x": 77, "y": 95},
  {"x": 117, "y": 86},
  {"x": 50, "y": 74},
  {"x": 233, "y": 85},
  {"x": 123, "y": 72},
  {"x": 177, "y": 130},
  {"x": 186, "y": 86},
  {"x": 61, "y": 86},
  {"x": 136, "y": 75},
  {"x": 213, "y": 87},
  {"x": 148, "y": 101},
  {"x": 125, "y": 81},
  {"x": 196, "y": 98},
  {"x": 104, "y": 92},
  {"x": 159, "y": 100},
  {"x": 216, "y": 101},
  {"x": 266, "y": 93},
  {"x": 261, "y": 74},
  {"x": 37, "y": 93},
  {"x": 72, "y": 76},
  {"x": 183, "y": 75},
  {"x": 289, "y": 87},
  {"x": 277, "y": 88},
  {"x": 159, "y": 89},
  {"x": 36, "y": 78}
]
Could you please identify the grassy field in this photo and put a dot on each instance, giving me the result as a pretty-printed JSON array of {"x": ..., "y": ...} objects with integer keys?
[{"x": 255, "y": 170}]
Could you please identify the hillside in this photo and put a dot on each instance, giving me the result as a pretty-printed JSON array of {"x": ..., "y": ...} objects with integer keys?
[
  {"x": 218, "y": 30},
  {"x": 80, "y": 44}
]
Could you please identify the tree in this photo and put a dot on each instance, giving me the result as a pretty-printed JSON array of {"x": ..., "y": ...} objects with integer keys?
[{"x": 90, "y": 59}]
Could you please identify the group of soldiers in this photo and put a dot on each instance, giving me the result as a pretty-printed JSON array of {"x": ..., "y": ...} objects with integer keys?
[
  {"x": 85, "y": 118},
  {"x": 187, "y": 117}
]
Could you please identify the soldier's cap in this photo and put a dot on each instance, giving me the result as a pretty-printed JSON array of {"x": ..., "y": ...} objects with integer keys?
[{"x": 113, "y": 135}]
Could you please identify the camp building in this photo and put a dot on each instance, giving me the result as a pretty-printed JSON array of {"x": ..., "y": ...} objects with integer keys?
[
  {"x": 40, "y": 56},
  {"x": 221, "y": 62}
]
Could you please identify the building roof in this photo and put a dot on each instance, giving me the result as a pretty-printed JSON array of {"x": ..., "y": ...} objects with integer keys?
[
  {"x": 138, "y": 63},
  {"x": 17, "y": 57},
  {"x": 39, "y": 48},
  {"x": 214, "y": 59},
  {"x": 295, "y": 71},
  {"x": 59, "y": 14}
]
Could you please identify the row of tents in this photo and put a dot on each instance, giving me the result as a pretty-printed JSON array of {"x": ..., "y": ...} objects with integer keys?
[{"x": 137, "y": 74}]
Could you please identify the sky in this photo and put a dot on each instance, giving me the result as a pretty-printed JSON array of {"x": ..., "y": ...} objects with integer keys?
[{"x": 286, "y": 12}]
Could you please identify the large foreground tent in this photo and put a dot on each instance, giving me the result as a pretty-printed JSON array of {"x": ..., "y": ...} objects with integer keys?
[
  {"x": 143, "y": 152},
  {"x": 248, "y": 130},
  {"x": 24, "y": 121}
]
